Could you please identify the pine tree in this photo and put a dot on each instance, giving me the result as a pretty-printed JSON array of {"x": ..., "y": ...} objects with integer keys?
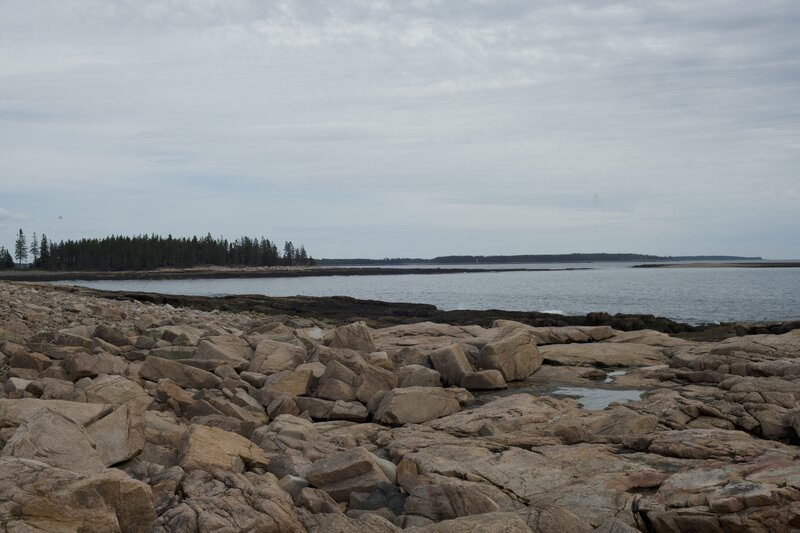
[
  {"x": 20, "y": 248},
  {"x": 288, "y": 253},
  {"x": 6, "y": 261},
  {"x": 34, "y": 248},
  {"x": 44, "y": 252}
]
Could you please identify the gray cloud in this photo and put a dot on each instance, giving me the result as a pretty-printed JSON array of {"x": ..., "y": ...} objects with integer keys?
[{"x": 407, "y": 128}]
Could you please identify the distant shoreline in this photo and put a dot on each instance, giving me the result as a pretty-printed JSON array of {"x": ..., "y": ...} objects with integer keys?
[
  {"x": 776, "y": 264},
  {"x": 252, "y": 272},
  {"x": 299, "y": 272}
]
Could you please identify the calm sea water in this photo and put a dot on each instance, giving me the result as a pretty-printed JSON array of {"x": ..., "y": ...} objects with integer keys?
[{"x": 694, "y": 295}]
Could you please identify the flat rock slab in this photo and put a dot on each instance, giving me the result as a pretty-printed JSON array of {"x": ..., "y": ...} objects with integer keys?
[{"x": 604, "y": 354}]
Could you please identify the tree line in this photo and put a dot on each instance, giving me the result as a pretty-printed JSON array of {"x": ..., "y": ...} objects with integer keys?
[{"x": 144, "y": 252}]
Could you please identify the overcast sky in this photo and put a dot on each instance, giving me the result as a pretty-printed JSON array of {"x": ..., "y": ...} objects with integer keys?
[{"x": 406, "y": 128}]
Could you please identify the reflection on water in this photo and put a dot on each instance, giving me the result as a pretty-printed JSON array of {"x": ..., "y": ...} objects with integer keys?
[{"x": 598, "y": 399}]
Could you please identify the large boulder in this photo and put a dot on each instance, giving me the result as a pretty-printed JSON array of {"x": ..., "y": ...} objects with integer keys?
[
  {"x": 337, "y": 383},
  {"x": 273, "y": 356},
  {"x": 452, "y": 364},
  {"x": 72, "y": 434},
  {"x": 111, "y": 335},
  {"x": 15, "y": 412},
  {"x": 484, "y": 380},
  {"x": 115, "y": 390},
  {"x": 415, "y": 405},
  {"x": 356, "y": 336},
  {"x": 119, "y": 436},
  {"x": 374, "y": 380},
  {"x": 320, "y": 409},
  {"x": 209, "y": 448},
  {"x": 228, "y": 501},
  {"x": 56, "y": 440},
  {"x": 353, "y": 470},
  {"x": 88, "y": 365},
  {"x": 293, "y": 382},
  {"x": 228, "y": 348},
  {"x": 418, "y": 376},
  {"x": 38, "y": 497},
  {"x": 156, "y": 368},
  {"x": 514, "y": 354}
]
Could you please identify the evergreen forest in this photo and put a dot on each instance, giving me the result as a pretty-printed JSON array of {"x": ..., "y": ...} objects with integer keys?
[{"x": 145, "y": 252}]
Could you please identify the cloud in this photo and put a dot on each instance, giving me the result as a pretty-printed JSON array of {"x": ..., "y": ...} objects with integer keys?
[{"x": 357, "y": 113}]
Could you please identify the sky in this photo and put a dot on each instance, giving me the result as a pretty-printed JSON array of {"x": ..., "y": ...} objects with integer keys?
[{"x": 409, "y": 128}]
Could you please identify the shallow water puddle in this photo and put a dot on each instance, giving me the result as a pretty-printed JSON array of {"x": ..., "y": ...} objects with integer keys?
[{"x": 598, "y": 399}]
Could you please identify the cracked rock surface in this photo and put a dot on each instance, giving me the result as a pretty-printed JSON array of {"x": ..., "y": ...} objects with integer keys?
[{"x": 117, "y": 415}]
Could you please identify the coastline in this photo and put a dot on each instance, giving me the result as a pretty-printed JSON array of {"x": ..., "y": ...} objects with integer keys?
[
  {"x": 164, "y": 412},
  {"x": 775, "y": 264},
  {"x": 340, "y": 310},
  {"x": 248, "y": 272}
]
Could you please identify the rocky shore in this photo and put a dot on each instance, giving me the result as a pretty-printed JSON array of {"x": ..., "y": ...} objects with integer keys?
[
  {"x": 133, "y": 415},
  {"x": 221, "y": 272}
]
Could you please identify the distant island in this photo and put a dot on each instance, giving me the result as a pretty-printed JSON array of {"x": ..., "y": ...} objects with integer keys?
[{"x": 532, "y": 258}]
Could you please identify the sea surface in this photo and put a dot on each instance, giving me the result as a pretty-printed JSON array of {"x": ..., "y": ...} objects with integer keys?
[{"x": 693, "y": 295}]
